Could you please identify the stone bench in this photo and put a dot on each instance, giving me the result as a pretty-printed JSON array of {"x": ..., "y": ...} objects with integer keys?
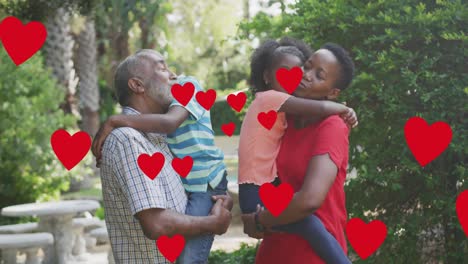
[
  {"x": 19, "y": 228},
  {"x": 81, "y": 238},
  {"x": 102, "y": 237},
  {"x": 10, "y": 244},
  {"x": 100, "y": 234}
]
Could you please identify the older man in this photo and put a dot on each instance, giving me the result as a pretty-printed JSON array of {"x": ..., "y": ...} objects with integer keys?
[{"x": 139, "y": 210}]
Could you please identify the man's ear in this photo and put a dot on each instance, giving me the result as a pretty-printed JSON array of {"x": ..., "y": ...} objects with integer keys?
[
  {"x": 136, "y": 85},
  {"x": 334, "y": 93}
]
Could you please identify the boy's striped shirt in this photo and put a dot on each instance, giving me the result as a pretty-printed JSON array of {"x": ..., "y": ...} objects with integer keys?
[{"x": 195, "y": 138}]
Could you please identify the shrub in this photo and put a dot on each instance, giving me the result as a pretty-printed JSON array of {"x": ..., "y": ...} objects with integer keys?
[
  {"x": 29, "y": 114},
  {"x": 245, "y": 255},
  {"x": 222, "y": 113},
  {"x": 411, "y": 61}
]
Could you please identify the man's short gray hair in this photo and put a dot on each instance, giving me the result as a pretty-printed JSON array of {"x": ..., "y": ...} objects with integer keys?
[{"x": 133, "y": 66}]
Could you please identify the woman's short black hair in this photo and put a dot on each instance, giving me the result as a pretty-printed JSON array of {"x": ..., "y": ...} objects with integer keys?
[
  {"x": 346, "y": 65},
  {"x": 264, "y": 56}
]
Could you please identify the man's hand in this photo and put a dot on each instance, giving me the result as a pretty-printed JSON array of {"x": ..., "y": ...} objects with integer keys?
[
  {"x": 350, "y": 118},
  {"x": 249, "y": 224},
  {"x": 99, "y": 139},
  {"x": 222, "y": 218},
  {"x": 228, "y": 203}
]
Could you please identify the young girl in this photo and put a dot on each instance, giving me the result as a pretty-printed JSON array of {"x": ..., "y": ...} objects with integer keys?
[{"x": 258, "y": 147}]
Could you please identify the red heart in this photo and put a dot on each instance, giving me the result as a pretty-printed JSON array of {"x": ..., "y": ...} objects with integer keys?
[
  {"x": 228, "y": 128},
  {"x": 365, "y": 238},
  {"x": 276, "y": 199},
  {"x": 22, "y": 41},
  {"x": 183, "y": 94},
  {"x": 70, "y": 150},
  {"x": 171, "y": 248},
  {"x": 206, "y": 99},
  {"x": 289, "y": 79},
  {"x": 182, "y": 166},
  {"x": 267, "y": 119},
  {"x": 151, "y": 165},
  {"x": 427, "y": 142},
  {"x": 237, "y": 101},
  {"x": 462, "y": 210}
]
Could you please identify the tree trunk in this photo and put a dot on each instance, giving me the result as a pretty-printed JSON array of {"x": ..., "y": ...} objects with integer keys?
[
  {"x": 88, "y": 91},
  {"x": 143, "y": 23},
  {"x": 58, "y": 56},
  {"x": 246, "y": 9},
  {"x": 121, "y": 45},
  {"x": 87, "y": 72}
]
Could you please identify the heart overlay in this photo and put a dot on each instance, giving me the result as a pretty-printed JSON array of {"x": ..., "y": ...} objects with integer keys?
[
  {"x": 228, "y": 128},
  {"x": 462, "y": 210},
  {"x": 21, "y": 42},
  {"x": 289, "y": 79},
  {"x": 171, "y": 248},
  {"x": 206, "y": 99},
  {"x": 427, "y": 142},
  {"x": 151, "y": 165},
  {"x": 365, "y": 238},
  {"x": 183, "y": 166},
  {"x": 276, "y": 199},
  {"x": 237, "y": 102},
  {"x": 183, "y": 94},
  {"x": 70, "y": 150},
  {"x": 267, "y": 120}
]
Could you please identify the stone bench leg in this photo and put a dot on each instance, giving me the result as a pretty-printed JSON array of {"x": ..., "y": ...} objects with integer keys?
[
  {"x": 31, "y": 256},
  {"x": 110, "y": 257},
  {"x": 9, "y": 256},
  {"x": 90, "y": 242},
  {"x": 79, "y": 243},
  {"x": 62, "y": 230}
]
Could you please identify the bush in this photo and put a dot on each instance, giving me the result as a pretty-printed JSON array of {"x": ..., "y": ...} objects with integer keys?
[
  {"x": 411, "y": 61},
  {"x": 222, "y": 113},
  {"x": 245, "y": 255},
  {"x": 29, "y": 110}
]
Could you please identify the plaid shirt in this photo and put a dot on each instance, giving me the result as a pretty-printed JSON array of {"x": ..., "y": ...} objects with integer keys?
[{"x": 127, "y": 191}]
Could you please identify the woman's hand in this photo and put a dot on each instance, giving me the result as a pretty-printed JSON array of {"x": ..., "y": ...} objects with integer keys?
[
  {"x": 250, "y": 227},
  {"x": 99, "y": 139}
]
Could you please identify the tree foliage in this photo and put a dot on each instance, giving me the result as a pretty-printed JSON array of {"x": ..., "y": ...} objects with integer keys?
[
  {"x": 30, "y": 113},
  {"x": 39, "y": 10},
  {"x": 411, "y": 61}
]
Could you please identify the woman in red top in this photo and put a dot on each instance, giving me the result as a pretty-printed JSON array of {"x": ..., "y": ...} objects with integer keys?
[{"x": 313, "y": 158}]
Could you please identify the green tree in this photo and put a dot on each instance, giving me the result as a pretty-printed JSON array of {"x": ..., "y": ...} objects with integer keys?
[
  {"x": 411, "y": 61},
  {"x": 58, "y": 48},
  {"x": 30, "y": 113}
]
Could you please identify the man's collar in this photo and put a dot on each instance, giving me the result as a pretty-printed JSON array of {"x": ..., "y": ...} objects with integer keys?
[{"x": 127, "y": 110}]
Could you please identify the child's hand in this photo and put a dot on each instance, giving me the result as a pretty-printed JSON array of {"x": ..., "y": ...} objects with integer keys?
[
  {"x": 228, "y": 203},
  {"x": 350, "y": 118},
  {"x": 99, "y": 139}
]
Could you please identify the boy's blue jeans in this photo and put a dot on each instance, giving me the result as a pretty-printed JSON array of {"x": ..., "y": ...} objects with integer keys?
[
  {"x": 197, "y": 249},
  {"x": 309, "y": 228}
]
